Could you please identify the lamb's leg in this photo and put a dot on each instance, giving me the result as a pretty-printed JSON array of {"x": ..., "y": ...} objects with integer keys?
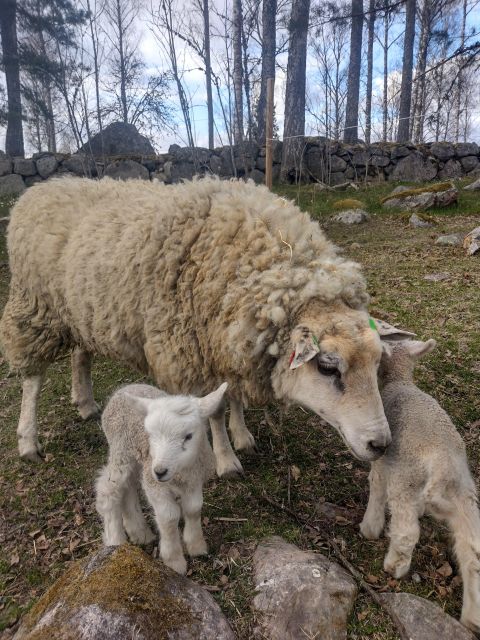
[
  {"x": 464, "y": 521},
  {"x": 404, "y": 535},
  {"x": 374, "y": 518},
  {"x": 133, "y": 519},
  {"x": 28, "y": 445},
  {"x": 111, "y": 487},
  {"x": 192, "y": 501},
  {"x": 167, "y": 515},
  {"x": 227, "y": 463},
  {"x": 82, "y": 392},
  {"x": 242, "y": 438}
]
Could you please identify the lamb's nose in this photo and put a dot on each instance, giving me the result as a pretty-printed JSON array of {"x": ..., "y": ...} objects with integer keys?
[
  {"x": 378, "y": 446},
  {"x": 161, "y": 473}
]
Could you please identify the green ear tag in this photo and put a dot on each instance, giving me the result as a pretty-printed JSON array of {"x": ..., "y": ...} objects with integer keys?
[
  {"x": 372, "y": 324},
  {"x": 315, "y": 342}
]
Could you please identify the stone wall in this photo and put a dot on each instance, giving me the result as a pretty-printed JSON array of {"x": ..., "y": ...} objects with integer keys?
[{"x": 322, "y": 160}]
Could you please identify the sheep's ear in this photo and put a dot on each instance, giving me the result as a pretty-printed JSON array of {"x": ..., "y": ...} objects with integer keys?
[
  {"x": 388, "y": 331},
  {"x": 142, "y": 405},
  {"x": 210, "y": 404},
  {"x": 306, "y": 346},
  {"x": 418, "y": 349}
]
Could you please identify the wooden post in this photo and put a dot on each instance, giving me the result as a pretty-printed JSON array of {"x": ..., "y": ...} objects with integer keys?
[{"x": 269, "y": 133}]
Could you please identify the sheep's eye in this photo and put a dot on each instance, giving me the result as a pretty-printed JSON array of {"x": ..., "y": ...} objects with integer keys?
[{"x": 189, "y": 436}]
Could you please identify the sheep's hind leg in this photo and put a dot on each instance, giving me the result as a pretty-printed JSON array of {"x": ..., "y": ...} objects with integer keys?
[
  {"x": 111, "y": 488},
  {"x": 374, "y": 519},
  {"x": 82, "y": 391},
  {"x": 133, "y": 519},
  {"x": 27, "y": 432},
  {"x": 192, "y": 502},
  {"x": 227, "y": 463},
  {"x": 242, "y": 438},
  {"x": 404, "y": 535}
]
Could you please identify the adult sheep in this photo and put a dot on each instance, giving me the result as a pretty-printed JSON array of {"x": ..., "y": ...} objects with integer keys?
[{"x": 192, "y": 284}]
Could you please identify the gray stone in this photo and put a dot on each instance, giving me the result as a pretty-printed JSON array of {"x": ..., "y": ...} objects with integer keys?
[
  {"x": 196, "y": 155},
  {"x": 361, "y": 159},
  {"x": 415, "y": 221},
  {"x": 424, "y": 200},
  {"x": 352, "y": 216},
  {"x": 261, "y": 163},
  {"x": 469, "y": 163},
  {"x": 474, "y": 186},
  {"x": 127, "y": 169},
  {"x": 463, "y": 149},
  {"x": 80, "y": 165},
  {"x": 471, "y": 242},
  {"x": 182, "y": 171},
  {"x": 12, "y": 184},
  {"x": 46, "y": 165},
  {"x": 337, "y": 164},
  {"x": 442, "y": 150},
  {"x": 167, "y": 169},
  {"x": 24, "y": 166},
  {"x": 118, "y": 138},
  {"x": 451, "y": 169},
  {"x": 257, "y": 176},
  {"x": 414, "y": 167},
  {"x": 337, "y": 178},
  {"x": 400, "y": 151},
  {"x": 148, "y": 601},
  {"x": 277, "y": 147},
  {"x": 450, "y": 240},
  {"x": 424, "y": 620},
  {"x": 31, "y": 180},
  {"x": 300, "y": 594},
  {"x": 316, "y": 163},
  {"x": 5, "y": 165},
  {"x": 380, "y": 161},
  {"x": 320, "y": 186},
  {"x": 4, "y": 224}
]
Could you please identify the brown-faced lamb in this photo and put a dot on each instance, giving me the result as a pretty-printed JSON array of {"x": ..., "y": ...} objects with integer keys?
[
  {"x": 160, "y": 441},
  {"x": 191, "y": 284},
  {"x": 424, "y": 470}
]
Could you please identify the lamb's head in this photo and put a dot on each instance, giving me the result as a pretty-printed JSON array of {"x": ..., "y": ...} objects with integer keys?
[
  {"x": 175, "y": 426},
  {"x": 399, "y": 360},
  {"x": 331, "y": 369}
]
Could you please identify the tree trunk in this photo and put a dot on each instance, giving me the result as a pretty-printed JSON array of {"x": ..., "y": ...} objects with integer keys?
[
  {"x": 238, "y": 71},
  {"x": 269, "y": 12},
  {"x": 123, "y": 81},
  {"x": 208, "y": 71},
  {"x": 368, "y": 99},
  {"x": 294, "y": 120},
  {"x": 386, "y": 19},
  {"x": 458, "y": 100},
  {"x": 419, "y": 114},
  {"x": 353, "y": 87},
  {"x": 403, "y": 133},
  {"x": 8, "y": 24},
  {"x": 96, "y": 70}
]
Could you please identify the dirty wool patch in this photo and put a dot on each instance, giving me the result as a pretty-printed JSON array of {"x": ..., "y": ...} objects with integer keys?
[{"x": 47, "y": 514}]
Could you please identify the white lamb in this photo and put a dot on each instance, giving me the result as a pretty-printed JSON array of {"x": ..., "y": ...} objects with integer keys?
[
  {"x": 424, "y": 470},
  {"x": 162, "y": 441}
]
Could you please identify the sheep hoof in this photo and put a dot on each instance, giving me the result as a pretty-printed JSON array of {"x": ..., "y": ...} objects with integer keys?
[
  {"x": 142, "y": 537},
  {"x": 32, "y": 454},
  {"x": 89, "y": 411},
  {"x": 397, "y": 569},
  {"x": 180, "y": 565},
  {"x": 370, "y": 532},
  {"x": 472, "y": 622},
  {"x": 230, "y": 468},
  {"x": 198, "y": 549},
  {"x": 246, "y": 444}
]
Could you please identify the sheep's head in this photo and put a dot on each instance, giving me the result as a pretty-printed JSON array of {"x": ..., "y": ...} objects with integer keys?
[
  {"x": 175, "y": 426},
  {"x": 331, "y": 369},
  {"x": 398, "y": 362}
]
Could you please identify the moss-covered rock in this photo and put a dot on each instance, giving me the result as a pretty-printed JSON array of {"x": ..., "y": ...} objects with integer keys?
[
  {"x": 442, "y": 194},
  {"x": 348, "y": 203},
  {"x": 121, "y": 592}
]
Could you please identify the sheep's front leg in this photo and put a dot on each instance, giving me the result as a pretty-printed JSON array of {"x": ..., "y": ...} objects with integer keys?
[
  {"x": 167, "y": 515},
  {"x": 133, "y": 519},
  {"x": 27, "y": 432},
  {"x": 242, "y": 438},
  {"x": 111, "y": 488},
  {"x": 374, "y": 518},
  {"x": 82, "y": 391},
  {"x": 404, "y": 535},
  {"x": 192, "y": 501},
  {"x": 227, "y": 463}
]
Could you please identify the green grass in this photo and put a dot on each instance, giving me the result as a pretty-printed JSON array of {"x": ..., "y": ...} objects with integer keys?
[{"x": 56, "y": 499}]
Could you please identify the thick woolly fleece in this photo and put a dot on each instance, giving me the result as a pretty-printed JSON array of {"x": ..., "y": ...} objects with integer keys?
[{"x": 194, "y": 284}]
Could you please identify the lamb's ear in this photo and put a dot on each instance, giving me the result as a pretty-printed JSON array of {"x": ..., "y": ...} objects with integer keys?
[
  {"x": 306, "y": 346},
  {"x": 389, "y": 332},
  {"x": 142, "y": 405},
  {"x": 418, "y": 349},
  {"x": 210, "y": 404}
]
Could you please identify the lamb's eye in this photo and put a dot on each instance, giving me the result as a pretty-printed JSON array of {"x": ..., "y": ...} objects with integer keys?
[
  {"x": 189, "y": 436},
  {"x": 328, "y": 369}
]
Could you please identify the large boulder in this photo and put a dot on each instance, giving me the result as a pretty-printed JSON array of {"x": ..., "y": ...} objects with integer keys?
[
  {"x": 424, "y": 620},
  {"x": 11, "y": 185},
  {"x": 471, "y": 242},
  {"x": 24, "y": 166},
  {"x": 121, "y": 592},
  {"x": 469, "y": 163},
  {"x": 119, "y": 138},
  {"x": 422, "y": 199},
  {"x": 127, "y": 169},
  {"x": 351, "y": 216},
  {"x": 442, "y": 150},
  {"x": 474, "y": 186},
  {"x": 5, "y": 165},
  {"x": 46, "y": 165},
  {"x": 80, "y": 165},
  {"x": 300, "y": 594},
  {"x": 451, "y": 169},
  {"x": 414, "y": 167},
  {"x": 197, "y": 155},
  {"x": 463, "y": 149}
]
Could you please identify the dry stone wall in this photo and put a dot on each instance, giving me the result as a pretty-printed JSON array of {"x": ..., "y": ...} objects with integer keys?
[{"x": 322, "y": 160}]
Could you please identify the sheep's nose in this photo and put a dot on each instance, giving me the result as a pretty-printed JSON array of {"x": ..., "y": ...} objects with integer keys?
[
  {"x": 378, "y": 446},
  {"x": 161, "y": 473}
]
